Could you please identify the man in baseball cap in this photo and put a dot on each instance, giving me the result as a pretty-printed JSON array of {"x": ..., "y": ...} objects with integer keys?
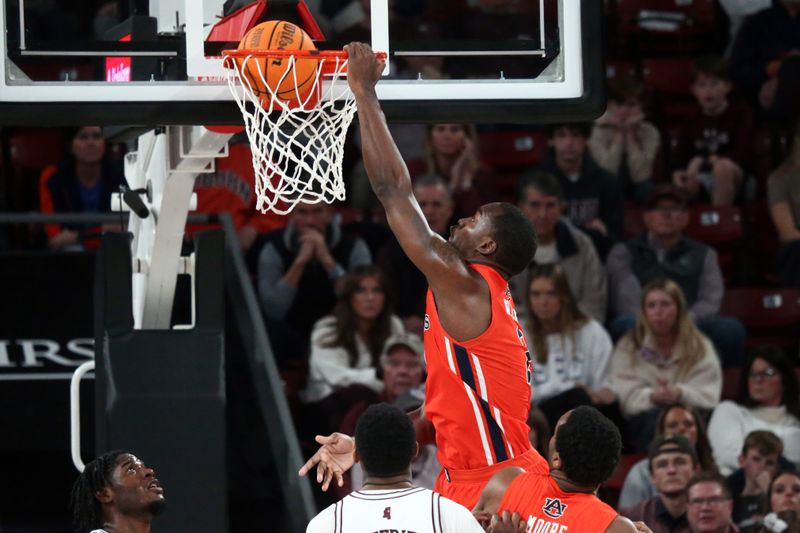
[{"x": 673, "y": 462}]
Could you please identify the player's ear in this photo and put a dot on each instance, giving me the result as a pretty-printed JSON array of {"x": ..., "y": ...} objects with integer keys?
[
  {"x": 555, "y": 460},
  {"x": 104, "y": 495},
  {"x": 487, "y": 246}
]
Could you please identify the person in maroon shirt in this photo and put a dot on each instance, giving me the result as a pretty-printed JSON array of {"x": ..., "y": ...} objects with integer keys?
[
  {"x": 709, "y": 505},
  {"x": 714, "y": 150}
]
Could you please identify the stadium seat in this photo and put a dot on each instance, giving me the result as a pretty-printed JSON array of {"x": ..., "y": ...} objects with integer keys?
[
  {"x": 672, "y": 75},
  {"x": 512, "y": 149},
  {"x": 668, "y": 26},
  {"x": 715, "y": 225},
  {"x": 771, "y": 316},
  {"x": 634, "y": 221},
  {"x": 721, "y": 228},
  {"x": 668, "y": 81},
  {"x": 730, "y": 383},
  {"x": 35, "y": 148},
  {"x": 613, "y": 486},
  {"x": 616, "y": 68}
]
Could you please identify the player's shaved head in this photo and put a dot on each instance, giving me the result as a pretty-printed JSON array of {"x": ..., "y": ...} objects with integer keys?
[
  {"x": 514, "y": 235},
  {"x": 385, "y": 441}
]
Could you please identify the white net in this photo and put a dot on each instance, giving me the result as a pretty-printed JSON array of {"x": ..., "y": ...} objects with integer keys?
[{"x": 297, "y": 143}]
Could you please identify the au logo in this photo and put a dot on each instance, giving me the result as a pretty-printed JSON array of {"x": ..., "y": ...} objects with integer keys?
[{"x": 554, "y": 508}]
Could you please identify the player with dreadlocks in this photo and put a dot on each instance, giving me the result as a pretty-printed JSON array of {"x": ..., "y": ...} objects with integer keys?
[{"x": 116, "y": 492}]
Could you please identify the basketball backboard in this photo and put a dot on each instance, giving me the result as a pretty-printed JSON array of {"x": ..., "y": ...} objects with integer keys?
[{"x": 512, "y": 61}]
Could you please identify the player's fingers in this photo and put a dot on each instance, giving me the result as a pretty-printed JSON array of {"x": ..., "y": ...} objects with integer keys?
[
  {"x": 327, "y": 481},
  {"x": 322, "y": 472},
  {"x": 324, "y": 439},
  {"x": 306, "y": 468}
]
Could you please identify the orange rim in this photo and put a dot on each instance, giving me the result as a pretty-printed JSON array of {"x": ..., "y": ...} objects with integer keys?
[{"x": 311, "y": 54}]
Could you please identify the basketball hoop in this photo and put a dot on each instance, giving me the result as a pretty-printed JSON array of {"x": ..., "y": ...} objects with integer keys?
[{"x": 297, "y": 139}]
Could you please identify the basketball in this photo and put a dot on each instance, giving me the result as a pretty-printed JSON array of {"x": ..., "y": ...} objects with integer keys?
[{"x": 279, "y": 35}]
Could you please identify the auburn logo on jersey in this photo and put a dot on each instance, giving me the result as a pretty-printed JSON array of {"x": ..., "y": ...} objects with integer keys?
[{"x": 554, "y": 508}]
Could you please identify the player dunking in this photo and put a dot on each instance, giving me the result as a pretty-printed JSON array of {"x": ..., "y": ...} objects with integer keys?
[{"x": 477, "y": 391}]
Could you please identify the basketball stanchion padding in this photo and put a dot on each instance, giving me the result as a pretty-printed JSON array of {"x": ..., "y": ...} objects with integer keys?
[{"x": 296, "y": 124}]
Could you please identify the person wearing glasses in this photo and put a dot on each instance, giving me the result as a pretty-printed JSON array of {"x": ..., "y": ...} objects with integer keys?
[
  {"x": 768, "y": 400},
  {"x": 709, "y": 505}
]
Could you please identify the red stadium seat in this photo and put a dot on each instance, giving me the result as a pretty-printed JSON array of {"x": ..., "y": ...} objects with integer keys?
[
  {"x": 715, "y": 224},
  {"x": 719, "y": 227},
  {"x": 613, "y": 486},
  {"x": 35, "y": 148},
  {"x": 730, "y": 382},
  {"x": 666, "y": 25},
  {"x": 771, "y": 316},
  {"x": 634, "y": 221},
  {"x": 512, "y": 149},
  {"x": 668, "y": 75}
]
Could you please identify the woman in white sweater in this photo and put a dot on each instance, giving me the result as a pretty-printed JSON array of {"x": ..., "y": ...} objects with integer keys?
[
  {"x": 571, "y": 351},
  {"x": 768, "y": 399},
  {"x": 346, "y": 345},
  {"x": 663, "y": 360}
]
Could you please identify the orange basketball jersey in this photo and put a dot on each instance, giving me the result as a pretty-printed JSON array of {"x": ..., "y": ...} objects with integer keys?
[
  {"x": 546, "y": 508},
  {"x": 477, "y": 394}
]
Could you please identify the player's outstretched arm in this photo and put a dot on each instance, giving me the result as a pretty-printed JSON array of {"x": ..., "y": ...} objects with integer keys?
[
  {"x": 389, "y": 178},
  {"x": 333, "y": 459}
]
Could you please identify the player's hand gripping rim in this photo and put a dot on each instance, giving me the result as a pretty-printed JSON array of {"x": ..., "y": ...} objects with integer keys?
[{"x": 333, "y": 459}]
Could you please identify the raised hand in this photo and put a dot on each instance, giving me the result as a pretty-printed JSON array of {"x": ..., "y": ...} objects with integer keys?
[
  {"x": 333, "y": 459},
  {"x": 363, "y": 68}
]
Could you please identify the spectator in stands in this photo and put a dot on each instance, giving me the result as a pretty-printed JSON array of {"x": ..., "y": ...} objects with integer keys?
[
  {"x": 231, "y": 189},
  {"x": 665, "y": 359},
  {"x": 298, "y": 269},
  {"x": 784, "y": 492},
  {"x": 783, "y": 506},
  {"x": 452, "y": 153},
  {"x": 593, "y": 197},
  {"x": 709, "y": 505},
  {"x": 759, "y": 463},
  {"x": 768, "y": 399},
  {"x": 663, "y": 251},
  {"x": 715, "y": 147},
  {"x": 673, "y": 461},
  {"x": 436, "y": 204},
  {"x": 81, "y": 183},
  {"x": 673, "y": 419},
  {"x": 571, "y": 352},
  {"x": 346, "y": 345},
  {"x": 623, "y": 142},
  {"x": 764, "y": 58},
  {"x": 541, "y": 198},
  {"x": 403, "y": 367},
  {"x": 116, "y": 492},
  {"x": 783, "y": 192}
]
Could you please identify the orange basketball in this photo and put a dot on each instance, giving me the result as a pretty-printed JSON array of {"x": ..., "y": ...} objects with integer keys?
[{"x": 279, "y": 35}]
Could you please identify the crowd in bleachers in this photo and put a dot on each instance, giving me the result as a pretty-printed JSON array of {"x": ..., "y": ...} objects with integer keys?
[{"x": 669, "y": 250}]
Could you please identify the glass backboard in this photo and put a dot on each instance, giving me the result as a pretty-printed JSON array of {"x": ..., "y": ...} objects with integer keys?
[{"x": 148, "y": 62}]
